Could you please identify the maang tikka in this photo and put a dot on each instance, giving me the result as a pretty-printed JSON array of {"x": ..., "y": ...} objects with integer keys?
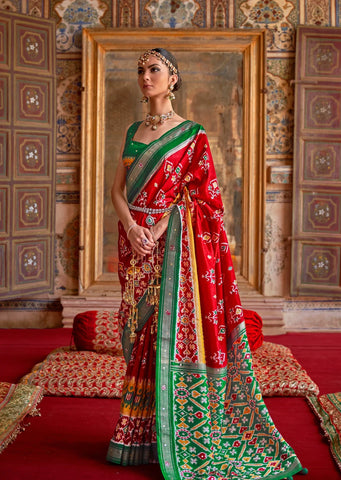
[{"x": 144, "y": 59}]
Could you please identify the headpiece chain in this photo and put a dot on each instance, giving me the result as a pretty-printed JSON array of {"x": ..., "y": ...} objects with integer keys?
[{"x": 145, "y": 56}]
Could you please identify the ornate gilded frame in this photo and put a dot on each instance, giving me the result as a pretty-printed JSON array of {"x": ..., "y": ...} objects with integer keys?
[{"x": 98, "y": 44}]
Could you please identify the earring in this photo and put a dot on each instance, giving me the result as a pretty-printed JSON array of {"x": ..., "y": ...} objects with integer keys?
[
  {"x": 170, "y": 93},
  {"x": 144, "y": 99}
]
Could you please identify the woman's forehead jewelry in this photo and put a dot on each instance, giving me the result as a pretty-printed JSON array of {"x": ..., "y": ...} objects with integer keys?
[
  {"x": 154, "y": 120},
  {"x": 145, "y": 56}
]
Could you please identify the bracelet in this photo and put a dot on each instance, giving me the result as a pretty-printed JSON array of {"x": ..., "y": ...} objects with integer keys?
[{"x": 133, "y": 225}]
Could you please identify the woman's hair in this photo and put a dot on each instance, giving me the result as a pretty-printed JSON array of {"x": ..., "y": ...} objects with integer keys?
[{"x": 172, "y": 59}]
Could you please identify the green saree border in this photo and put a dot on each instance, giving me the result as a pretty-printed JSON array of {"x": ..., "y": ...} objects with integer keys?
[
  {"x": 148, "y": 162},
  {"x": 168, "y": 310}
]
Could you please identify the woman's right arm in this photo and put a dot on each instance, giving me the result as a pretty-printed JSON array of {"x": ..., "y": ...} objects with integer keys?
[{"x": 118, "y": 197}]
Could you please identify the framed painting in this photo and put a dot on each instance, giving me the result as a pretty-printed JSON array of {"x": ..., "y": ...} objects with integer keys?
[{"x": 223, "y": 89}]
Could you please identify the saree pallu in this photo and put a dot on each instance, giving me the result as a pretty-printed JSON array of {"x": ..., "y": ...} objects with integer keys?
[{"x": 211, "y": 421}]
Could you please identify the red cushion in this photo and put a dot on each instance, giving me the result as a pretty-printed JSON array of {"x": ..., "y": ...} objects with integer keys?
[
  {"x": 253, "y": 324},
  {"x": 97, "y": 331}
]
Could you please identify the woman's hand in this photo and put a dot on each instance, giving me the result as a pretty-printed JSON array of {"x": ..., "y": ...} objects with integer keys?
[
  {"x": 140, "y": 239},
  {"x": 159, "y": 228}
]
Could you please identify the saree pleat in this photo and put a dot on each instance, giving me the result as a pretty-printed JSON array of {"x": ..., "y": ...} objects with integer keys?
[
  {"x": 134, "y": 440},
  {"x": 197, "y": 396}
]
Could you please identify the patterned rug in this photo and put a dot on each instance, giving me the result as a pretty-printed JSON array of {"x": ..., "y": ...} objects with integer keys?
[
  {"x": 16, "y": 402},
  {"x": 68, "y": 372},
  {"x": 328, "y": 410}
]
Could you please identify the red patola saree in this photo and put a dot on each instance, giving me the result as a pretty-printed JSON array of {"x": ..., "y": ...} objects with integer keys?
[{"x": 190, "y": 386}]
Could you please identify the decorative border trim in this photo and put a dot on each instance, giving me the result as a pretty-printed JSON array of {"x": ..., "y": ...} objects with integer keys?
[
  {"x": 68, "y": 197},
  {"x": 165, "y": 346},
  {"x": 279, "y": 196},
  {"x": 327, "y": 305},
  {"x": 31, "y": 305},
  {"x": 280, "y": 174},
  {"x": 329, "y": 428}
]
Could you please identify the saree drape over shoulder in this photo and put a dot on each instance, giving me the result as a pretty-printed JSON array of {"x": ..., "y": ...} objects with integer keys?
[{"x": 190, "y": 386}]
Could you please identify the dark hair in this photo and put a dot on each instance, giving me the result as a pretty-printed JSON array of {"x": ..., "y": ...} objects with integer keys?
[{"x": 172, "y": 59}]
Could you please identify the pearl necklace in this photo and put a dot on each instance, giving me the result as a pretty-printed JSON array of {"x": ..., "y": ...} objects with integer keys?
[{"x": 154, "y": 120}]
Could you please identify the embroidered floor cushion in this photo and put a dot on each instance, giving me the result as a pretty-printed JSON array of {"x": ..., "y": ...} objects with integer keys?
[
  {"x": 68, "y": 372},
  {"x": 328, "y": 410},
  {"x": 279, "y": 373},
  {"x": 16, "y": 402},
  {"x": 97, "y": 331}
]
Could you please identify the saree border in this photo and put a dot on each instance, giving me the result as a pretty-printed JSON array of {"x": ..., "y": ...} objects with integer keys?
[
  {"x": 148, "y": 162},
  {"x": 165, "y": 345},
  {"x": 327, "y": 424}
]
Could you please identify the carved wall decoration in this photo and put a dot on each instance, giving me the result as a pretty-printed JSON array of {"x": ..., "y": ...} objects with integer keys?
[
  {"x": 316, "y": 246},
  {"x": 27, "y": 153}
]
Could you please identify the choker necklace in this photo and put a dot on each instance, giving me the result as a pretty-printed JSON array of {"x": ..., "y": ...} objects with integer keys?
[{"x": 154, "y": 120}]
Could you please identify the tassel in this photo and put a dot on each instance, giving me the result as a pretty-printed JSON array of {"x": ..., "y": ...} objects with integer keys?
[
  {"x": 133, "y": 323},
  {"x": 153, "y": 295},
  {"x": 132, "y": 276}
]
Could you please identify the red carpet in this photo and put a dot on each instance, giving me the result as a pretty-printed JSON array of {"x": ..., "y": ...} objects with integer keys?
[{"x": 70, "y": 439}]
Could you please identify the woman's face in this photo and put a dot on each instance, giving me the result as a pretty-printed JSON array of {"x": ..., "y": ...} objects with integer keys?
[{"x": 154, "y": 78}]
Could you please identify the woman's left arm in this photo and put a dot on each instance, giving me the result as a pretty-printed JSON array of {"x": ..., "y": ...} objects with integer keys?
[{"x": 159, "y": 228}]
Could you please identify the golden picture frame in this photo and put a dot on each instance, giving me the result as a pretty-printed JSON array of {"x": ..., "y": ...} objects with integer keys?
[{"x": 223, "y": 89}]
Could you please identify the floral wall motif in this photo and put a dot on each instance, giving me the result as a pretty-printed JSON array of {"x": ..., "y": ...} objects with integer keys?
[
  {"x": 69, "y": 72},
  {"x": 280, "y": 19},
  {"x": 279, "y": 116},
  {"x": 75, "y": 15},
  {"x": 175, "y": 14}
]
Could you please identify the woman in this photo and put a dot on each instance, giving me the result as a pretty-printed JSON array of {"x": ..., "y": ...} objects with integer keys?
[{"x": 190, "y": 399}]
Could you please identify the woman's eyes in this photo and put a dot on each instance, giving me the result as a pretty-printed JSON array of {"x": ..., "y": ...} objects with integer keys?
[{"x": 153, "y": 69}]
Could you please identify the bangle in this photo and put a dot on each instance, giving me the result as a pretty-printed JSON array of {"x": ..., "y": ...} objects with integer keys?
[{"x": 133, "y": 225}]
